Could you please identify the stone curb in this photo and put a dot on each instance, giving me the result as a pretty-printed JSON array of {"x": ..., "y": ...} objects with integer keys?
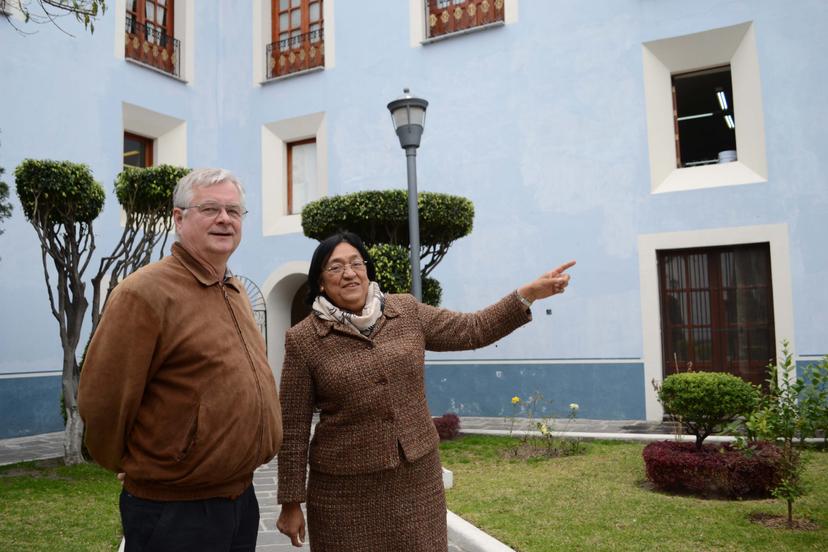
[{"x": 470, "y": 538}]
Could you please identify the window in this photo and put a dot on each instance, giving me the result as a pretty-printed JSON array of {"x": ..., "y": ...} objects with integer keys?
[
  {"x": 294, "y": 154},
  {"x": 297, "y": 34},
  {"x": 450, "y": 16},
  {"x": 301, "y": 175},
  {"x": 150, "y": 35},
  {"x": 137, "y": 150},
  {"x": 703, "y": 117},
  {"x": 158, "y": 138},
  {"x": 717, "y": 310},
  {"x": 685, "y": 61}
]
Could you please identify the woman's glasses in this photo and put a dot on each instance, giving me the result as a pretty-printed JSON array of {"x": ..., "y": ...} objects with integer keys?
[{"x": 338, "y": 268}]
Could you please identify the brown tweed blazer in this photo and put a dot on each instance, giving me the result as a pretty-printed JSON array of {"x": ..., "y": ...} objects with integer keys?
[{"x": 370, "y": 391}]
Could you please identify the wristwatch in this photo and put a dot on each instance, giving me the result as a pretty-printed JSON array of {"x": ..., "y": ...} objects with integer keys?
[{"x": 526, "y": 302}]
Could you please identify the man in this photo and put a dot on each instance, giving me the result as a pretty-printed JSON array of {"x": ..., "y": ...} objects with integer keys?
[{"x": 176, "y": 392}]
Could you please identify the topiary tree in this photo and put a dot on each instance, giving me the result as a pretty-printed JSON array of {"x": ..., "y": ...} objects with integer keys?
[
  {"x": 146, "y": 197},
  {"x": 61, "y": 199},
  {"x": 380, "y": 218},
  {"x": 706, "y": 401},
  {"x": 393, "y": 267}
]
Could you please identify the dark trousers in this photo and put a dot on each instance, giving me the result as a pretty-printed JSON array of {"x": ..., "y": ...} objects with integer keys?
[{"x": 210, "y": 525}]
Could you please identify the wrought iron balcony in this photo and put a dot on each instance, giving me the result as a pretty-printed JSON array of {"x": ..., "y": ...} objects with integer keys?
[
  {"x": 295, "y": 54},
  {"x": 149, "y": 45},
  {"x": 450, "y": 16}
]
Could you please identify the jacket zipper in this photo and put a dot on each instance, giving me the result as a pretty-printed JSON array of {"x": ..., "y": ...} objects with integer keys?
[{"x": 253, "y": 369}]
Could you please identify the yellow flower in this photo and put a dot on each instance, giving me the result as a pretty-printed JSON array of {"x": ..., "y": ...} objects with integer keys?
[
  {"x": 543, "y": 428},
  {"x": 515, "y": 400},
  {"x": 574, "y": 407}
]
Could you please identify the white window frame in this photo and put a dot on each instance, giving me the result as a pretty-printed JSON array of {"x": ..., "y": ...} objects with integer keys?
[
  {"x": 735, "y": 45},
  {"x": 648, "y": 245},
  {"x": 262, "y": 35},
  {"x": 275, "y": 137},
  {"x": 184, "y": 29}
]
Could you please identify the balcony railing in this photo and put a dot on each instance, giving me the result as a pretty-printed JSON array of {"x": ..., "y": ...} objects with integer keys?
[
  {"x": 151, "y": 46},
  {"x": 450, "y": 16},
  {"x": 295, "y": 54}
]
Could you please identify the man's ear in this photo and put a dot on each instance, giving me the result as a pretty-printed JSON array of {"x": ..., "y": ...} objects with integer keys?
[{"x": 177, "y": 214}]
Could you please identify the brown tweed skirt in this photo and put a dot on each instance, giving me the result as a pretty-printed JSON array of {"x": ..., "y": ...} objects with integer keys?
[{"x": 397, "y": 510}]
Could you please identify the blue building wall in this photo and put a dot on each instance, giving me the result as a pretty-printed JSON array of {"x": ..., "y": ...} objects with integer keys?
[
  {"x": 541, "y": 123},
  {"x": 30, "y": 406},
  {"x": 601, "y": 391}
]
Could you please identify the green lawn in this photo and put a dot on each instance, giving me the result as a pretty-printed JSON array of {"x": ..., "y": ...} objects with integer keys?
[
  {"x": 602, "y": 501},
  {"x": 48, "y": 506}
]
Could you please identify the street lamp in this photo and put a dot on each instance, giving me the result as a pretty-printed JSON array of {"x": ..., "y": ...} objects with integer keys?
[{"x": 408, "y": 116}]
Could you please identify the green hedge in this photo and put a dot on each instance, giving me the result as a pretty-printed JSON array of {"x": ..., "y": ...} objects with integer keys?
[
  {"x": 382, "y": 217},
  {"x": 705, "y": 401},
  {"x": 58, "y": 192},
  {"x": 393, "y": 268},
  {"x": 150, "y": 190}
]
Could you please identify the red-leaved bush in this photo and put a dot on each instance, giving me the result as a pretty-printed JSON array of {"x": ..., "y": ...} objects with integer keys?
[
  {"x": 721, "y": 470},
  {"x": 448, "y": 426}
]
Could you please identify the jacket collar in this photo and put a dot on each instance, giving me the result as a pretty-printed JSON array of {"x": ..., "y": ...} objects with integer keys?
[
  {"x": 201, "y": 272},
  {"x": 324, "y": 327}
]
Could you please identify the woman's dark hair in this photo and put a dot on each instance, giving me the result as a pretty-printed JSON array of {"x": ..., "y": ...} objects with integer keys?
[{"x": 323, "y": 253}]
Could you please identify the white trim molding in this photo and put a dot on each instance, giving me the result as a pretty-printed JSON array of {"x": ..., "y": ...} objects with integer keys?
[
  {"x": 736, "y": 46},
  {"x": 275, "y": 137},
  {"x": 169, "y": 133},
  {"x": 183, "y": 28},
  {"x": 261, "y": 36},
  {"x": 279, "y": 289},
  {"x": 648, "y": 244}
]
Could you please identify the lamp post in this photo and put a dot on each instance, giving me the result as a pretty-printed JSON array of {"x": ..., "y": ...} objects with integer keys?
[{"x": 408, "y": 116}]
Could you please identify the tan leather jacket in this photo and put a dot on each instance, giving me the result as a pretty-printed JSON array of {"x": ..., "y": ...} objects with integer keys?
[{"x": 176, "y": 390}]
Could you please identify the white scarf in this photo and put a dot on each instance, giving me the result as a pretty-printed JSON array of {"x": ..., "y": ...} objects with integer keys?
[{"x": 364, "y": 322}]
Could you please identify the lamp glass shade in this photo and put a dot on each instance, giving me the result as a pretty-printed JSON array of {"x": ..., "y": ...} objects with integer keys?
[{"x": 408, "y": 115}]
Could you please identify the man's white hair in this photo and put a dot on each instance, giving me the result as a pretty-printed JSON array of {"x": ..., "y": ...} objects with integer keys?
[{"x": 203, "y": 178}]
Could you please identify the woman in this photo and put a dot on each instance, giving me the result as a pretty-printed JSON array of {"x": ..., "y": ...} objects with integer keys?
[{"x": 375, "y": 481}]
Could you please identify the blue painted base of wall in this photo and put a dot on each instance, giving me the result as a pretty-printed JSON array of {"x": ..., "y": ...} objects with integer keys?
[
  {"x": 30, "y": 406},
  {"x": 602, "y": 391}
]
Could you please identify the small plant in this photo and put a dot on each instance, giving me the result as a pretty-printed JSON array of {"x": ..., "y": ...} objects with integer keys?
[
  {"x": 447, "y": 425},
  {"x": 549, "y": 443},
  {"x": 706, "y": 401},
  {"x": 781, "y": 416}
]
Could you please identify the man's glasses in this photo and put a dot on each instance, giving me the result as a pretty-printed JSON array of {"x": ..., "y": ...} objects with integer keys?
[
  {"x": 338, "y": 268},
  {"x": 212, "y": 209}
]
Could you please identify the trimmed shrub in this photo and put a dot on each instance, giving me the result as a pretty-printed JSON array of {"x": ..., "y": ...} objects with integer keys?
[
  {"x": 393, "y": 268},
  {"x": 58, "y": 192},
  {"x": 148, "y": 191},
  {"x": 706, "y": 401},
  {"x": 381, "y": 216},
  {"x": 447, "y": 425},
  {"x": 723, "y": 471}
]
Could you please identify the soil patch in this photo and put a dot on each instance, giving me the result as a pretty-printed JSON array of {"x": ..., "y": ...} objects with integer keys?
[{"x": 773, "y": 521}]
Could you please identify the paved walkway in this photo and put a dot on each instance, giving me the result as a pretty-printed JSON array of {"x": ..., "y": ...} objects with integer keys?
[{"x": 50, "y": 445}]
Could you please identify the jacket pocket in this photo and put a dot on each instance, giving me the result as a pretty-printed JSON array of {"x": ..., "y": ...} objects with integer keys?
[{"x": 190, "y": 439}]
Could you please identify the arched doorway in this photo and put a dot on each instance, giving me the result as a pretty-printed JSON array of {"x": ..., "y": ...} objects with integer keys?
[
  {"x": 299, "y": 309},
  {"x": 282, "y": 290}
]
